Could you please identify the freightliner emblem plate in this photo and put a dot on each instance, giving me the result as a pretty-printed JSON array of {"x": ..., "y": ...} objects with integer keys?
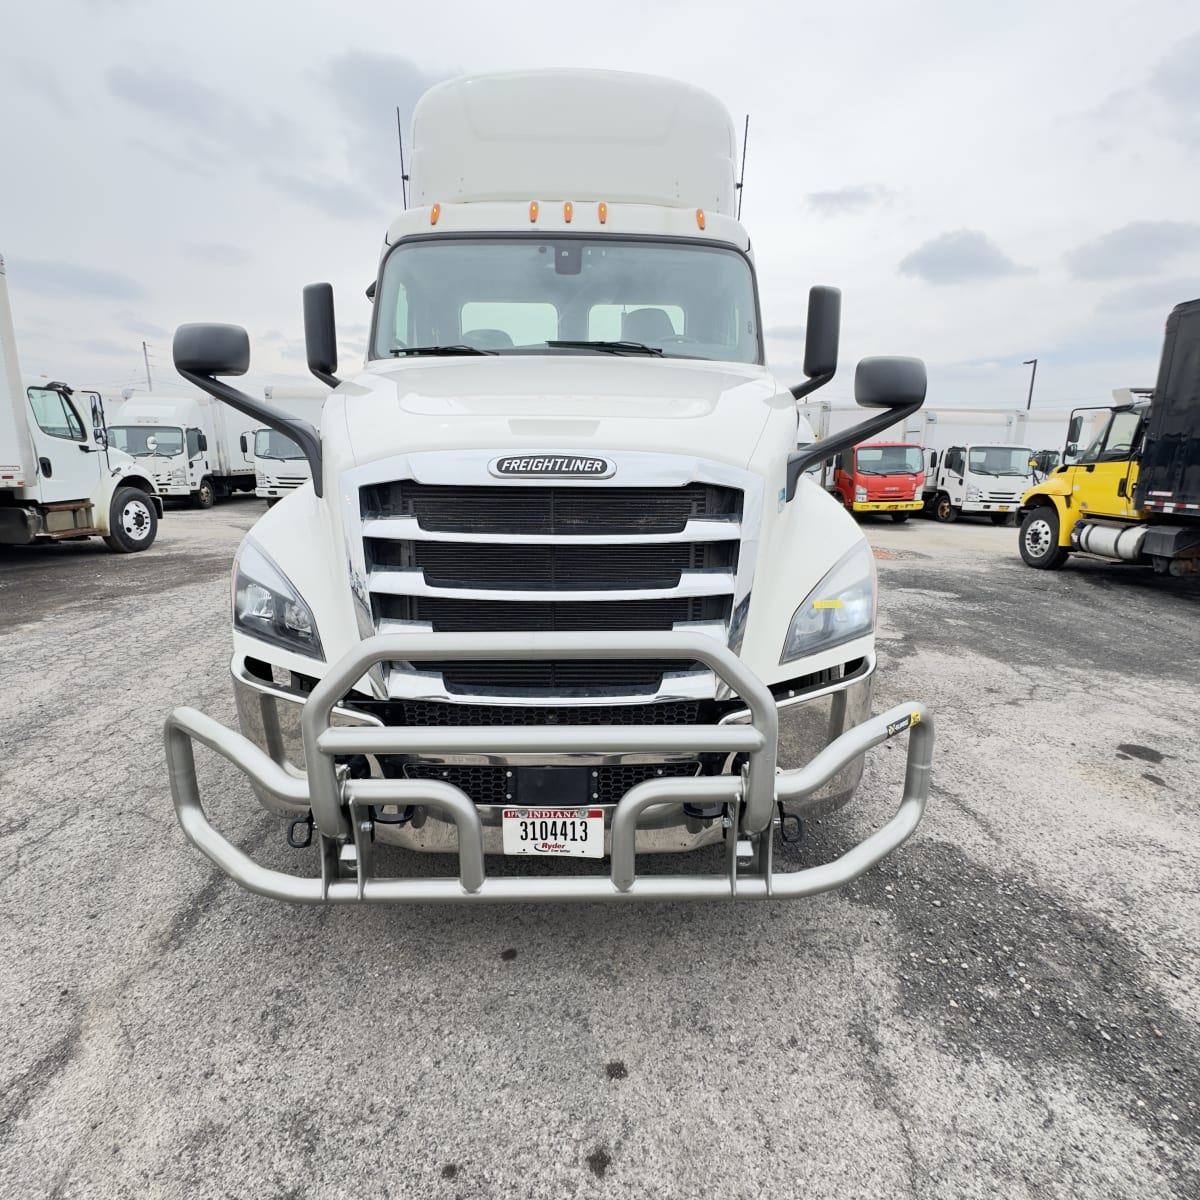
[{"x": 563, "y": 466}]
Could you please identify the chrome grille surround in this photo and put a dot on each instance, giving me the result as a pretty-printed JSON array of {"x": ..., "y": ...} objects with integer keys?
[{"x": 469, "y": 469}]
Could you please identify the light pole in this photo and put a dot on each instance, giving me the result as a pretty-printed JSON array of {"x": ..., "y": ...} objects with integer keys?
[{"x": 1030, "y": 362}]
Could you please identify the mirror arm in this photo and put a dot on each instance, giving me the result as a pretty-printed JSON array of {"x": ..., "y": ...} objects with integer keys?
[
  {"x": 324, "y": 376},
  {"x": 800, "y": 460},
  {"x": 810, "y": 385},
  {"x": 301, "y": 432}
]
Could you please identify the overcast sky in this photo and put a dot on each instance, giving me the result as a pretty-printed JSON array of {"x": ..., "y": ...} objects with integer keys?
[{"x": 986, "y": 184}]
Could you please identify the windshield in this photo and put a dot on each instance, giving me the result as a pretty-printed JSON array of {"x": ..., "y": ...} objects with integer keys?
[
  {"x": 137, "y": 439},
  {"x": 1000, "y": 460},
  {"x": 889, "y": 460},
  {"x": 517, "y": 294},
  {"x": 270, "y": 443}
]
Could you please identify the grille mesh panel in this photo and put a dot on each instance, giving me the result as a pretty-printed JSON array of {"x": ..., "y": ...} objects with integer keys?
[
  {"x": 525, "y": 567},
  {"x": 489, "y": 785},
  {"x": 467, "y": 616},
  {"x": 521, "y": 510}
]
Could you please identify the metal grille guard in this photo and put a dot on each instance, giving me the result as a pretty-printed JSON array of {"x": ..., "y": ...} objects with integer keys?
[{"x": 340, "y": 806}]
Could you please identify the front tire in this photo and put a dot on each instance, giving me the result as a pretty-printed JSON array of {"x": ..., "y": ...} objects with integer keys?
[
  {"x": 1002, "y": 518},
  {"x": 943, "y": 510},
  {"x": 204, "y": 495},
  {"x": 132, "y": 522},
  {"x": 1038, "y": 539},
  {"x": 900, "y": 517}
]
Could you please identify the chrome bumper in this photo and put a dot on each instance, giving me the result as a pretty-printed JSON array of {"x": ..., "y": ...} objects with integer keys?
[{"x": 343, "y": 809}]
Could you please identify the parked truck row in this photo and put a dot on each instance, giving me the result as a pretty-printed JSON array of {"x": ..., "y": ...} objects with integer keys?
[{"x": 945, "y": 462}]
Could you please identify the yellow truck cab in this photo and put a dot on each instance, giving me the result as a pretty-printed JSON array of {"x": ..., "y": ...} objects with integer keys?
[{"x": 1129, "y": 486}]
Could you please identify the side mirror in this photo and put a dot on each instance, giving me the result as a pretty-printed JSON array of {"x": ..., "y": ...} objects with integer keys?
[
  {"x": 933, "y": 460},
  {"x": 896, "y": 385},
  {"x": 890, "y": 383},
  {"x": 202, "y": 443},
  {"x": 320, "y": 333},
  {"x": 822, "y": 334},
  {"x": 371, "y": 291},
  {"x": 242, "y": 442},
  {"x": 152, "y": 443},
  {"x": 211, "y": 349},
  {"x": 1074, "y": 429}
]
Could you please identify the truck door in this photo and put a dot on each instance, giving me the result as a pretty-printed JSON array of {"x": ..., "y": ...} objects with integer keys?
[
  {"x": 68, "y": 464},
  {"x": 1104, "y": 474},
  {"x": 196, "y": 445},
  {"x": 954, "y": 467}
]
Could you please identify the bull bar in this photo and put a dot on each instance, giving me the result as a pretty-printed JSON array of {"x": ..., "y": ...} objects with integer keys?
[{"x": 342, "y": 808}]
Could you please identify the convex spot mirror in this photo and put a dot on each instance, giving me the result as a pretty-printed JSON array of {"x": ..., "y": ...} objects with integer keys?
[
  {"x": 212, "y": 349},
  {"x": 890, "y": 382}
]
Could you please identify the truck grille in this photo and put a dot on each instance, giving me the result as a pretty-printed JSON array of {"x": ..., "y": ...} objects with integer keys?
[
  {"x": 490, "y": 785},
  {"x": 554, "y": 558},
  {"x": 440, "y": 508}
]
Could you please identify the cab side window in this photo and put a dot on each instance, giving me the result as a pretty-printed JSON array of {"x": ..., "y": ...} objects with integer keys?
[
  {"x": 55, "y": 414},
  {"x": 953, "y": 460},
  {"x": 193, "y": 443}
]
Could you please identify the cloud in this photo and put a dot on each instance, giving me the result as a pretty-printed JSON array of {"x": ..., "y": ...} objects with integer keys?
[
  {"x": 1158, "y": 296},
  {"x": 108, "y": 348},
  {"x": 334, "y": 198},
  {"x": 852, "y": 199},
  {"x": 786, "y": 333},
  {"x": 220, "y": 254},
  {"x": 962, "y": 256},
  {"x": 144, "y": 329},
  {"x": 1139, "y": 248},
  {"x": 70, "y": 279},
  {"x": 1175, "y": 82},
  {"x": 214, "y": 117}
]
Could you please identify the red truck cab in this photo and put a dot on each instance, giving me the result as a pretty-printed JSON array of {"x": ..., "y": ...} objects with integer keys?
[{"x": 882, "y": 477}]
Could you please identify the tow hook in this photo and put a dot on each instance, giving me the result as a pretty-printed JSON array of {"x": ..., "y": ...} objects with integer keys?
[
  {"x": 299, "y": 834},
  {"x": 797, "y": 834},
  {"x": 379, "y": 817}
]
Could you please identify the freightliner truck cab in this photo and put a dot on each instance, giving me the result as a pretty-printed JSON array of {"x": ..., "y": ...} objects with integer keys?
[{"x": 560, "y": 586}]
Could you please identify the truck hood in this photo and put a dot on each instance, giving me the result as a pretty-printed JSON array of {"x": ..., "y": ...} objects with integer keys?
[{"x": 586, "y": 402}]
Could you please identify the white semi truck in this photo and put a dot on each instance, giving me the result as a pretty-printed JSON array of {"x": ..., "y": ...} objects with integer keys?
[
  {"x": 192, "y": 446},
  {"x": 280, "y": 464},
  {"x": 59, "y": 478},
  {"x": 561, "y": 586}
]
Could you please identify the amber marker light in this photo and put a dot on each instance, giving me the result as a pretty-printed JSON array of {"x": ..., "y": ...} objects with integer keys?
[
  {"x": 434, "y": 213},
  {"x": 602, "y": 209},
  {"x": 568, "y": 210},
  {"x": 533, "y": 210},
  {"x": 700, "y": 217}
]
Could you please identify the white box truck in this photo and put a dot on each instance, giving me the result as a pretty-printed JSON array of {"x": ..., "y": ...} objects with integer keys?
[
  {"x": 193, "y": 447},
  {"x": 975, "y": 463},
  {"x": 59, "y": 478},
  {"x": 560, "y": 587},
  {"x": 280, "y": 464}
]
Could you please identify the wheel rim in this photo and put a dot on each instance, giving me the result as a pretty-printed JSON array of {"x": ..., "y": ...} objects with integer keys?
[
  {"x": 135, "y": 520},
  {"x": 943, "y": 509},
  {"x": 1039, "y": 537},
  {"x": 205, "y": 493}
]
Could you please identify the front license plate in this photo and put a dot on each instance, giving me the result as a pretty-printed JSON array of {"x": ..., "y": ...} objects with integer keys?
[{"x": 570, "y": 832}]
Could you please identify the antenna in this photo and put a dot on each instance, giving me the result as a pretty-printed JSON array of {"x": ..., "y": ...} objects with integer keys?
[
  {"x": 742, "y": 181},
  {"x": 403, "y": 173}
]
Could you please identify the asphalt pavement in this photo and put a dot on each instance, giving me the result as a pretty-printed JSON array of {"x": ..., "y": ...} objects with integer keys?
[{"x": 1008, "y": 1006}]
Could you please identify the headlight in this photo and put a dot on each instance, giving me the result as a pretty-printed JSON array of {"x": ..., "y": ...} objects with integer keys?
[
  {"x": 839, "y": 609},
  {"x": 860, "y": 494},
  {"x": 266, "y": 604},
  {"x": 260, "y": 480},
  {"x": 179, "y": 476},
  {"x": 973, "y": 493}
]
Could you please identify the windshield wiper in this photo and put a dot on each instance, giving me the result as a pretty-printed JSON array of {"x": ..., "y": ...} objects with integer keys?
[
  {"x": 606, "y": 347},
  {"x": 405, "y": 351},
  {"x": 983, "y": 471}
]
